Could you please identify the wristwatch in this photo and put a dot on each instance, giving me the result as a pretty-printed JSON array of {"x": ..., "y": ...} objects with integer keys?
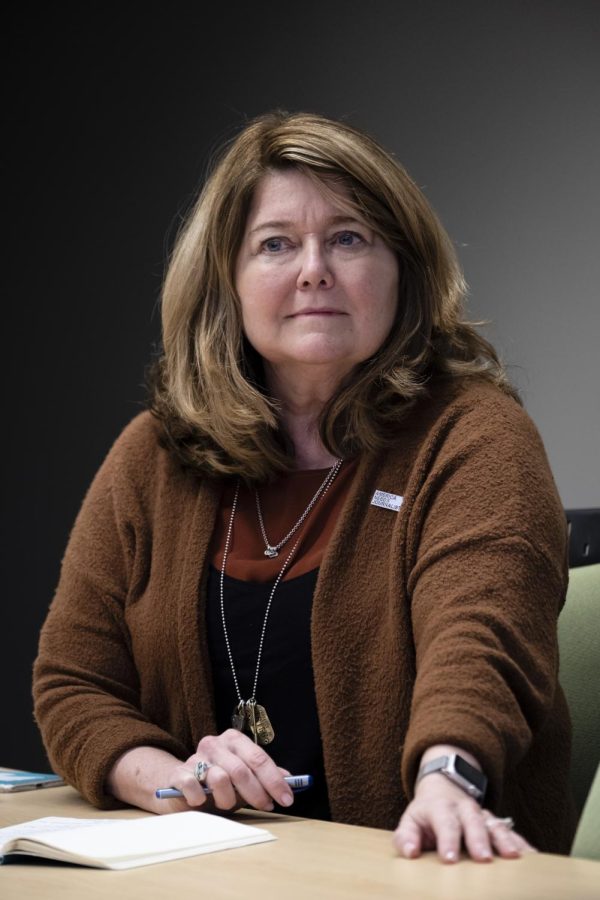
[{"x": 458, "y": 770}]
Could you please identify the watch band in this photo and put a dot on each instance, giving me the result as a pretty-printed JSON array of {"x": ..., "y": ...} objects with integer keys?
[{"x": 460, "y": 772}]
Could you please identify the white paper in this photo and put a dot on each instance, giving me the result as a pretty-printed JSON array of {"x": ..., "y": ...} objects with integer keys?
[
  {"x": 45, "y": 826},
  {"x": 126, "y": 843}
]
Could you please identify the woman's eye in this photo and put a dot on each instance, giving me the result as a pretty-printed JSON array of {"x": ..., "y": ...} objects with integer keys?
[
  {"x": 273, "y": 245},
  {"x": 348, "y": 238}
]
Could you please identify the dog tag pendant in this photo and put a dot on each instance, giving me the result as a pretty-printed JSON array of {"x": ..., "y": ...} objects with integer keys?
[
  {"x": 251, "y": 718},
  {"x": 238, "y": 719},
  {"x": 264, "y": 729}
]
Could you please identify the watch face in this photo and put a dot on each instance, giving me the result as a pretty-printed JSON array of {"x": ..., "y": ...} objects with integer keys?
[{"x": 470, "y": 773}]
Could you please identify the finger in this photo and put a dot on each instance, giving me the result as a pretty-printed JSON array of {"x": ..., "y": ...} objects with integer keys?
[
  {"x": 219, "y": 781},
  {"x": 448, "y": 832},
  {"x": 270, "y": 776},
  {"x": 476, "y": 836},
  {"x": 523, "y": 845},
  {"x": 255, "y": 778},
  {"x": 407, "y": 837},
  {"x": 251, "y": 770},
  {"x": 505, "y": 841},
  {"x": 185, "y": 780},
  {"x": 221, "y": 787}
]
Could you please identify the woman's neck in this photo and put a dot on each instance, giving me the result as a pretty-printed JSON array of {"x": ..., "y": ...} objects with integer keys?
[
  {"x": 301, "y": 406},
  {"x": 308, "y": 447}
]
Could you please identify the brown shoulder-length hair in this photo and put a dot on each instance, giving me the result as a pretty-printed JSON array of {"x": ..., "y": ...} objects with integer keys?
[{"x": 207, "y": 388}]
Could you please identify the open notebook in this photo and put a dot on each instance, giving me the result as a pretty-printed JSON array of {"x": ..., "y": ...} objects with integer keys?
[{"x": 125, "y": 844}]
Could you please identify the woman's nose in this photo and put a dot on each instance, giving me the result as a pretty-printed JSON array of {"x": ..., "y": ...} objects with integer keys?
[{"x": 315, "y": 270}]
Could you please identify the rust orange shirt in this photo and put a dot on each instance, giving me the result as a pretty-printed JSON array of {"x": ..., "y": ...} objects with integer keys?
[{"x": 282, "y": 502}]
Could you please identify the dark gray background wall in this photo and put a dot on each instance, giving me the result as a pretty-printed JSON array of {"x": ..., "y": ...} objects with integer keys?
[{"x": 493, "y": 108}]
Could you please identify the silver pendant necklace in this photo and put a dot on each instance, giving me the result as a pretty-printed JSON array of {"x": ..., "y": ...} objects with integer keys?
[
  {"x": 272, "y": 550},
  {"x": 248, "y": 715}
]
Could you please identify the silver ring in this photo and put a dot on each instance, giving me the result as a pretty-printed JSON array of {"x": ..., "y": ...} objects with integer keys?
[
  {"x": 493, "y": 822},
  {"x": 201, "y": 771}
]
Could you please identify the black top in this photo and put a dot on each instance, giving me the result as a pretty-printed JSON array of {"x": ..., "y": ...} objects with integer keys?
[{"x": 285, "y": 682}]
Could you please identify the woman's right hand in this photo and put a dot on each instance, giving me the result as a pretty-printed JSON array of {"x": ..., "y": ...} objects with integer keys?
[{"x": 241, "y": 773}]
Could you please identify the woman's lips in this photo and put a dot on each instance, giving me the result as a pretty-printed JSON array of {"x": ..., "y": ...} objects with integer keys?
[{"x": 318, "y": 312}]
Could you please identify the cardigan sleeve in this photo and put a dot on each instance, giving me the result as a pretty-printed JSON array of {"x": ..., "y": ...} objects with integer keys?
[
  {"x": 488, "y": 542},
  {"x": 86, "y": 690}
]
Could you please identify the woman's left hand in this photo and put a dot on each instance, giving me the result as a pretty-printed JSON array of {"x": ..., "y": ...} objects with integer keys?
[{"x": 442, "y": 816}]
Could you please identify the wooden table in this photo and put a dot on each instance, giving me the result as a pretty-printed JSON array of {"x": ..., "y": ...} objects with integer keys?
[{"x": 310, "y": 859}]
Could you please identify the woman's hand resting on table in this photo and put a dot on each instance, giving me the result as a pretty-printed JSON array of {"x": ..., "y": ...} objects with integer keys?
[
  {"x": 443, "y": 816},
  {"x": 241, "y": 773}
]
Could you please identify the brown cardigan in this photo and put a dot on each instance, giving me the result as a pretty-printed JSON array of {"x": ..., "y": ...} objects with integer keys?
[{"x": 433, "y": 624}]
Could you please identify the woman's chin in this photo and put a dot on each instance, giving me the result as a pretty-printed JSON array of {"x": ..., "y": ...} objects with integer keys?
[{"x": 319, "y": 349}]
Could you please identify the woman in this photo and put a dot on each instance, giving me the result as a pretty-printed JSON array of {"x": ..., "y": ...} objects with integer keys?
[{"x": 335, "y": 547}]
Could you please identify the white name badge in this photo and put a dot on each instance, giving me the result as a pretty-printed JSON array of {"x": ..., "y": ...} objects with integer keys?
[{"x": 387, "y": 501}]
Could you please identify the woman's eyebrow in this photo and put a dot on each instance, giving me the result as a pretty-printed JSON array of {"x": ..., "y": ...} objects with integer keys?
[
  {"x": 285, "y": 223},
  {"x": 274, "y": 224}
]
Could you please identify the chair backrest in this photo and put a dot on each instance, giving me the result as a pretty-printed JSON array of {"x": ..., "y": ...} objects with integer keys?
[
  {"x": 584, "y": 536},
  {"x": 587, "y": 839},
  {"x": 579, "y": 644}
]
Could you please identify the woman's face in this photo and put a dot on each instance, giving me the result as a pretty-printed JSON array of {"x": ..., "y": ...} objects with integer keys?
[{"x": 318, "y": 288}]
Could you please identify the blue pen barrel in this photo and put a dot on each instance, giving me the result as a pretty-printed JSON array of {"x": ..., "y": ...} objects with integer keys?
[
  {"x": 299, "y": 782},
  {"x": 296, "y": 782}
]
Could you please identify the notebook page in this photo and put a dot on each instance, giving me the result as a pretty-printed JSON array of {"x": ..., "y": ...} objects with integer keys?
[
  {"x": 44, "y": 826},
  {"x": 161, "y": 836}
]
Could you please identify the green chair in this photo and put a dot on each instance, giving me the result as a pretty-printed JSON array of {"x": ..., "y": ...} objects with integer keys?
[
  {"x": 579, "y": 643},
  {"x": 587, "y": 837}
]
